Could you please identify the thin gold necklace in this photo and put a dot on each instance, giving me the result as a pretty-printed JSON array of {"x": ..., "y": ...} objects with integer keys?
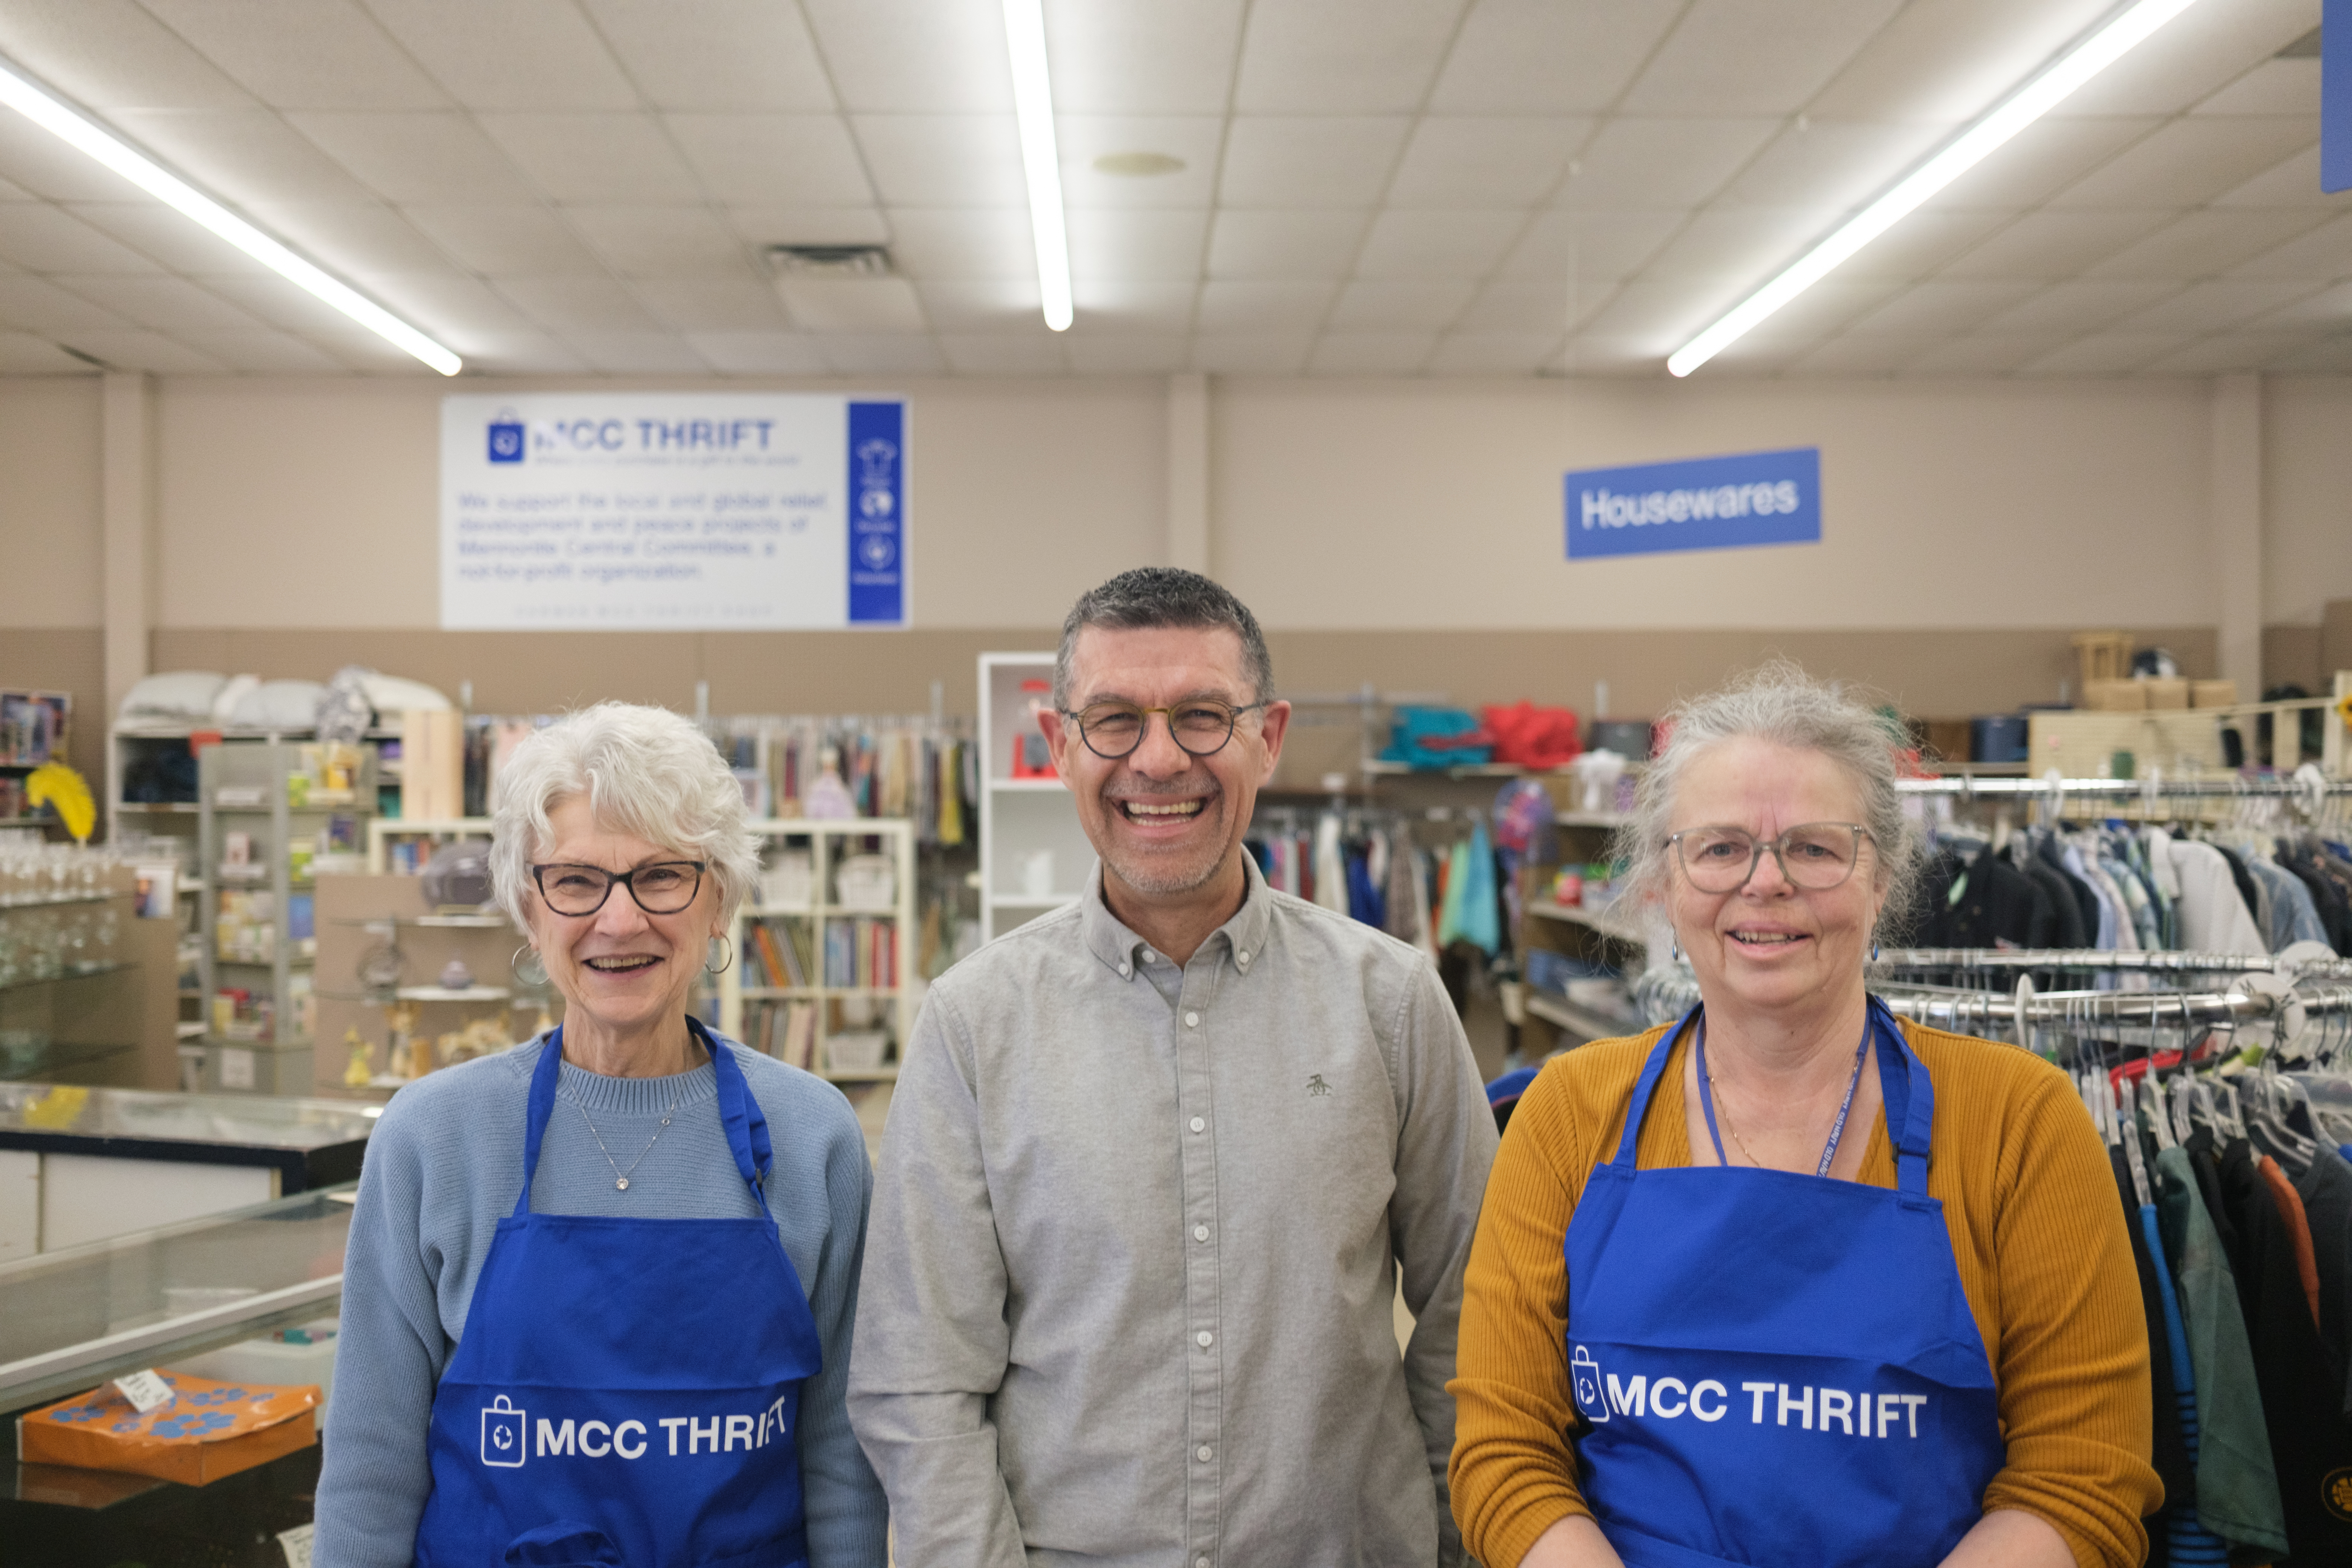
[{"x": 1723, "y": 1110}]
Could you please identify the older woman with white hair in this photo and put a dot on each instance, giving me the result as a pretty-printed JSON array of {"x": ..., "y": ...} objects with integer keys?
[
  {"x": 598, "y": 1292},
  {"x": 1791, "y": 1280}
]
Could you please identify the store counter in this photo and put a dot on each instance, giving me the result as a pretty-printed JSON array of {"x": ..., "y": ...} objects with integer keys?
[{"x": 79, "y": 1165}]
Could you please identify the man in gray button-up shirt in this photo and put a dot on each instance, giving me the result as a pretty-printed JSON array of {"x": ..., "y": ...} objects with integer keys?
[{"x": 1155, "y": 1165}]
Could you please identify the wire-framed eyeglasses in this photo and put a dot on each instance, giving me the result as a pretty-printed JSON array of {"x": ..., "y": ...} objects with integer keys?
[
  {"x": 664, "y": 888},
  {"x": 1815, "y": 856},
  {"x": 1201, "y": 726}
]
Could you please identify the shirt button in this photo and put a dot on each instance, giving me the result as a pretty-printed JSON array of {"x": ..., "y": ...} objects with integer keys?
[
  {"x": 1123, "y": 972},
  {"x": 1199, "y": 1125},
  {"x": 1200, "y": 1233},
  {"x": 1199, "y": 1563},
  {"x": 1204, "y": 1453},
  {"x": 1205, "y": 1339},
  {"x": 1244, "y": 957},
  {"x": 1149, "y": 956},
  {"x": 1191, "y": 1020}
]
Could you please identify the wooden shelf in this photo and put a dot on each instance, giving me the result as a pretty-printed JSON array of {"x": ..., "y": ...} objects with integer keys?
[
  {"x": 887, "y": 1073},
  {"x": 1026, "y": 901},
  {"x": 1017, "y": 786},
  {"x": 768, "y": 993},
  {"x": 1588, "y": 1022},
  {"x": 1574, "y": 914}
]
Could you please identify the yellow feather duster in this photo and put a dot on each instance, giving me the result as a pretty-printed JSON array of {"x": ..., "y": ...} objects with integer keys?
[{"x": 57, "y": 784}]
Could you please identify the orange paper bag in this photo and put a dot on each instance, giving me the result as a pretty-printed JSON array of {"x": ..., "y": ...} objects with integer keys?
[{"x": 210, "y": 1430}]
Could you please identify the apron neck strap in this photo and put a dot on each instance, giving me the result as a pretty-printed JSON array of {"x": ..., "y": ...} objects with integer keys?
[{"x": 738, "y": 1113}]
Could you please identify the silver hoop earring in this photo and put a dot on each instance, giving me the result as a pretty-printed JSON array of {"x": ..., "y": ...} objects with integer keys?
[
  {"x": 526, "y": 980},
  {"x": 731, "y": 956}
]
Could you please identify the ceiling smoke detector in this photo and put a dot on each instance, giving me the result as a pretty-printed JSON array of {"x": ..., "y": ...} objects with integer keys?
[{"x": 829, "y": 260}]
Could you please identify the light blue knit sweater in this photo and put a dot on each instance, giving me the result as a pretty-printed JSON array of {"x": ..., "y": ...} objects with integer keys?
[{"x": 445, "y": 1166}]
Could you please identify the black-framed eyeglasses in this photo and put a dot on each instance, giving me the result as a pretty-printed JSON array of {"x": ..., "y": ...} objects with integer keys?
[
  {"x": 1816, "y": 857},
  {"x": 664, "y": 888},
  {"x": 1113, "y": 729}
]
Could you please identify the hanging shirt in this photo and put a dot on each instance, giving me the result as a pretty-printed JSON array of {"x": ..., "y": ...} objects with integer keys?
[
  {"x": 1330, "y": 865},
  {"x": 2213, "y": 917},
  {"x": 2294, "y": 917}
]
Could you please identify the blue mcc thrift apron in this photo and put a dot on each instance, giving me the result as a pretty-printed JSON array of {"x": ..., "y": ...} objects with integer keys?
[
  {"x": 1778, "y": 1368},
  {"x": 627, "y": 1390}
]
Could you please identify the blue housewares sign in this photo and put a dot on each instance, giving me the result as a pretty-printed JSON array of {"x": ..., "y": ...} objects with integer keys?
[{"x": 1702, "y": 503}]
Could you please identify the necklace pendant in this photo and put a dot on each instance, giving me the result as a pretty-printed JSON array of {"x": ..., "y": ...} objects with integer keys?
[{"x": 622, "y": 1182}]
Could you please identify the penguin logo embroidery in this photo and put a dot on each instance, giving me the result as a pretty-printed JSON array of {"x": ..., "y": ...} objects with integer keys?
[{"x": 1317, "y": 1086}]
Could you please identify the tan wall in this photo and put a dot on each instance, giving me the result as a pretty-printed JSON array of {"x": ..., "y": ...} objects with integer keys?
[
  {"x": 51, "y": 568},
  {"x": 2307, "y": 497}
]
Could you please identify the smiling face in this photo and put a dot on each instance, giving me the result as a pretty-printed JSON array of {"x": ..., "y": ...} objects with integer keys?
[
  {"x": 1168, "y": 825},
  {"x": 622, "y": 971},
  {"x": 1769, "y": 945}
]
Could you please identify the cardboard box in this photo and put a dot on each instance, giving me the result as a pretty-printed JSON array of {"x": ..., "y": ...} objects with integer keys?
[
  {"x": 2167, "y": 695},
  {"x": 211, "y": 1430},
  {"x": 1949, "y": 739},
  {"x": 2212, "y": 694},
  {"x": 2115, "y": 696}
]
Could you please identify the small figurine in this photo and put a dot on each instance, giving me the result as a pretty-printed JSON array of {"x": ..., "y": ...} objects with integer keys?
[
  {"x": 362, "y": 1063},
  {"x": 455, "y": 977}
]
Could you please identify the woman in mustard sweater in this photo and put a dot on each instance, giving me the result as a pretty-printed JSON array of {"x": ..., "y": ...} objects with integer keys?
[{"x": 1793, "y": 1282}]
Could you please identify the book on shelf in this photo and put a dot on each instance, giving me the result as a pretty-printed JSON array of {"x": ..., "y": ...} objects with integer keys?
[{"x": 788, "y": 1032}]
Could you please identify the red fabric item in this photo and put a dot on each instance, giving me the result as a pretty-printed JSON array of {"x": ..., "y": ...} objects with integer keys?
[
  {"x": 1528, "y": 736},
  {"x": 2298, "y": 1229}
]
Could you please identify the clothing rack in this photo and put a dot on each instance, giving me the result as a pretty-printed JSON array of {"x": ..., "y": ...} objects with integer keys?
[
  {"x": 1896, "y": 960},
  {"x": 2305, "y": 784}
]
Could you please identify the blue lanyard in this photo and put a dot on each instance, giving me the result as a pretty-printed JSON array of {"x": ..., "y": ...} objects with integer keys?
[{"x": 1837, "y": 1128}]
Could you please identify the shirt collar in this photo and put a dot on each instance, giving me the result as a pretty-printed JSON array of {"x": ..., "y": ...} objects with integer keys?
[{"x": 1109, "y": 940}]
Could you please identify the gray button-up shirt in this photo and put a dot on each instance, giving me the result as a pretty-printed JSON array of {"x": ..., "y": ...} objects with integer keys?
[{"x": 1133, "y": 1247}]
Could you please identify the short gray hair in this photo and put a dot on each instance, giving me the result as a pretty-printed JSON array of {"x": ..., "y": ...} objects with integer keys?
[
  {"x": 1154, "y": 596},
  {"x": 647, "y": 772},
  {"x": 1779, "y": 703}
]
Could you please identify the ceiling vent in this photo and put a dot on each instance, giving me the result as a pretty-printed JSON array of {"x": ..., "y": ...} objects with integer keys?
[{"x": 829, "y": 260}]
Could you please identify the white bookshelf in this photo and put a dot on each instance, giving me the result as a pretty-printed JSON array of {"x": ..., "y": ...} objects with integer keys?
[{"x": 1021, "y": 818}]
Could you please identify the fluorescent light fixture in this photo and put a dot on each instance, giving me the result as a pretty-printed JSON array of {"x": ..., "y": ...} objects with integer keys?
[
  {"x": 1033, "y": 96},
  {"x": 53, "y": 116},
  {"x": 2029, "y": 104}
]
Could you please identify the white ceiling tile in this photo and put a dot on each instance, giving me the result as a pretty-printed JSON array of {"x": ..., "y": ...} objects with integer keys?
[
  {"x": 419, "y": 158},
  {"x": 970, "y": 354},
  {"x": 1250, "y": 354},
  {"x": 1522, "y": 305},
  {"x": 762, "y": 225},
  {"x": 1946, "y": 61},
  {"x": 2194, "y": 56},
  {"x": 1493, "y": 353},
  {"x": 2222, "y": 354},
  {"x": 2064, "y": 310},
  {"x": 1941, "y": 309},
  {"x": 2213, "y": 307},
  {"x": 961, "y": 243},
  {"x": 759, "y": 353},
  {"x": 989, "y": 307},
  {"x": 1608, "y": 356},
  {"x": 1591, "y": 247},
  {"x": 1980, "y": 355},
  {"x": 2052, "y": 245},
  {"x": 880, "y": 354},
  {"x": 1126, "y": 353},
  {"x": 355, "y": 240},
  {"x": 528, "y": 353},
  {"x": 2200, "y": 244},
  {"x": 1274, "y": 307},
  {"x": 1192, "y": 140},
  {"x": 2044, "y": 157},
  {"x": 38, "y": 305},
  {"x": 852, "y": 305},
  {"x": 1341, "y": 56},
  {"x": 507, "y": 241},
  {"x": 2187, "y": 163},
  {"x": 1296, "y": 243},
  {"x": 1857, "y": 356},
  {"x": 1660, "y": 313},
  {"x": 290, "y": 308},
  {"x": 166, "y": 237},
  {"x": 2325, "y": 309},
  {"x": 42, "y": 238},
  {"x": 38, "y": 164},
  {"x": 1365, "y": 306},
  {"x": 145, "y": 351},
  {"x": 303, "y": 54},
  {"x": 595, "y": 157},
  {"x": 569, "y": 306},
  {"x": 1754, "y": 357},
  {"x": 1338, "y": 161},
  {"x": 2273, "y": 87},
  {"x": 264, "y": 353},
  {"x": 944, "y": 159},
  {"x": 248, "y": 157},
  {"x": 1466, "y": 161},
  {"x": 1437, "y": 243},
  {"x": 2104, "y": 353},
  {"x": 720, "y": 55},
  {"x": 2331, "y": 355},
  {"x": 916, "y": 57},
  {"x": 1751, "y": 243},
  {"x": 1113, "y": 305},
  {"x": 1370, "y": 353},
  {"x": 1540, "y": 57},
  {"x": 171, "y": 306},
  {"x": 713, "y": 304},
  {"x": 1754, "y": 57},
  {"x": 13, "y": 193},
  {"x": 1827, "y": 307},
  {"x": 662, "y": 242},
  {"x": 1923, "y": 242},
  {"x": 773, "y": 160},
  {"x": 22, "y": 354},
  {"x": 112, "y": 54},
  {"x": 1635, "y": 164},
  {"x": 638, "y": 353},
  {"x": 1141, "y": 244},
  {"x": 2318, "y": 254},
  {"x": 1833, "y": 164},
  {"x": 2292, "y": 183},
  {"x": 516, "y": 54},
  {"x": 465, "y": 313},
  {"x": 1142, "y": 59}
]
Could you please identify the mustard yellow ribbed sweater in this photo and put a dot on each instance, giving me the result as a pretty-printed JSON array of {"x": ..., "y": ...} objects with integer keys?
[{"x": 2044, "y": 1257}]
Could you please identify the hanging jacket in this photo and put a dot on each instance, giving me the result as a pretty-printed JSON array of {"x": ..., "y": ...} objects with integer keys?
[{"x": 1996, "y": 905}]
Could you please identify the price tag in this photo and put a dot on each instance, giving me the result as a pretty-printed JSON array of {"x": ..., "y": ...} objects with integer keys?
[
  {"x": 295, "y": 1544},
  {"x": 146, "y": 1391}
]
